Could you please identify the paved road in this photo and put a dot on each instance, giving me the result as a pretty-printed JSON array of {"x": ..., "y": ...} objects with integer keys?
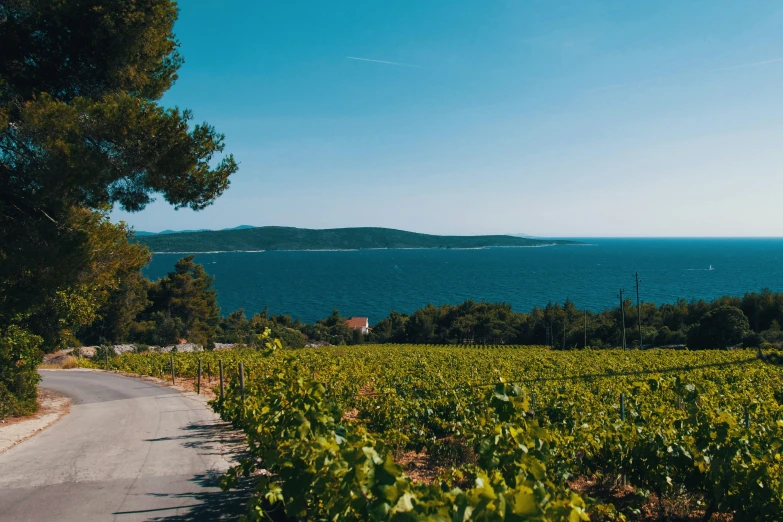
[{"x": 128, "y": 450}]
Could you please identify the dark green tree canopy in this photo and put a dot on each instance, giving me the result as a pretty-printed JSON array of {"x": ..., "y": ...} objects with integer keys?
[
  {"x": 719, "y": 328},
  {"x": 81, "y": 128},
  {"x": 80, "y": 125},
  {"x": 86, "y": 48},
  {"x": 186, "y": 294}
]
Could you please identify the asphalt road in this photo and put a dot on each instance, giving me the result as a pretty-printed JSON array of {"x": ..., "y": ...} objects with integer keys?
[{"x": 128, "y": 450}]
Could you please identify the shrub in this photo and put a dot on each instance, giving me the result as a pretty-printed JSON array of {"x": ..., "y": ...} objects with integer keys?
[
  {"x": 20, "y": 355},
  {"x": 752, "y": 340},
  {"x": 719, "y": 328},
  {"x": 666, "y": 337},
  {"x": 289, "y": 337}
]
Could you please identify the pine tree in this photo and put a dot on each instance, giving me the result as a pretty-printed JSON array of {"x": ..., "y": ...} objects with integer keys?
[{"x": 186, "y": 295}]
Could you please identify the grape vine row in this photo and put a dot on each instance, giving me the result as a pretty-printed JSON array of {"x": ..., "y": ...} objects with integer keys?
[{"x": 507, "y": 429}]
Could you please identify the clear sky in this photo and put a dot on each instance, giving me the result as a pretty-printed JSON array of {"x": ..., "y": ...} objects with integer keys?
[{"x": 552, "y": 118}]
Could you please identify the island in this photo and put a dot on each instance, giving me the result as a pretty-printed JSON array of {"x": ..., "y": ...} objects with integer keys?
[{"x": 291, "y": 238}]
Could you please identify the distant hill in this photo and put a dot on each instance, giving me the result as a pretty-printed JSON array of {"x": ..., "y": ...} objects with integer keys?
[
  {"x": 289, "y": 238},
  {"x": 144, "y": 233}
]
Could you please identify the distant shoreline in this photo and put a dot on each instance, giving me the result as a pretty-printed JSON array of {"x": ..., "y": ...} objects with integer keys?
[
  {"x": 263, "y": 239},
  {"x": 365, "y": 249}
]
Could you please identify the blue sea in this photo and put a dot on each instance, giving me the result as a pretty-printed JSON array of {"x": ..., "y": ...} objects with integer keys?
[{"x": 309, "y": 285}]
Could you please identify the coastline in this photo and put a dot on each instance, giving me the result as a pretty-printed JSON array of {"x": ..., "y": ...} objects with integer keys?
[{"x": 378, "y": 248}]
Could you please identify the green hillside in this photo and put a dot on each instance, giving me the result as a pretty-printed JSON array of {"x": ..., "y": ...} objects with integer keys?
[{"x": 289, "y": 238}]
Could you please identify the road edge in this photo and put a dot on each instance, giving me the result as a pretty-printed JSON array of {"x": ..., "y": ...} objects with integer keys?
[
  {"x": 18, "y": 432},
  {"x": 232, "y": 440}
]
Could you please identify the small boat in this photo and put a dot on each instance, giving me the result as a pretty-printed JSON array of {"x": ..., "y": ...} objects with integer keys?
[{"x": 710, "y": 268}]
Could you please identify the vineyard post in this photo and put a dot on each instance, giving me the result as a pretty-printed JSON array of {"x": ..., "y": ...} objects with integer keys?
[
  {"x": 242, "y": 382},
  {"x": 533, "y": 401},
  {"x": 209, "y": 372},
  {"x": 198, "y": 386},
  {"x": 220, "y": 364},
  {"x": 747, "y": 418},
  {"x": 171, "y": 361},
  {"x": 622, "y": 406}
]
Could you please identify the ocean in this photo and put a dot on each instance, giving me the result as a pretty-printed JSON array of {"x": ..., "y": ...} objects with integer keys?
[{"x": 309, "y": 285}]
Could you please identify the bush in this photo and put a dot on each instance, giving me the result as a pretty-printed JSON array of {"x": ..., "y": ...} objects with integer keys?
[
  {"x": 289, "y": 337},
  {"x": 719, "y": 328},
  {"x": 20, "y": 355},
  {"x": 752, "y": 340},
  {"x": 666, "y": 337},
  {"x": 773, "y": 335}
]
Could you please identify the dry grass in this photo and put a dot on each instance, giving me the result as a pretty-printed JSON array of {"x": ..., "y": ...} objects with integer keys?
[
  {"x": 70, "y": 362},
  {"x": 61, "y": 363}
]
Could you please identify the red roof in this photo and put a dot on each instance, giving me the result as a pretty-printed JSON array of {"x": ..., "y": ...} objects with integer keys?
[{"x": 358, "y": 322}]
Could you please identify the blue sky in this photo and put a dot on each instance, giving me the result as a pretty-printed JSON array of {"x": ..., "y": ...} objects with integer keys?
[{"x": 552, "y": 118}]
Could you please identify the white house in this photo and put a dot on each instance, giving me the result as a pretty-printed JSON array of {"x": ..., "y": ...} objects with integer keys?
[{"x": 359, "y": 323}]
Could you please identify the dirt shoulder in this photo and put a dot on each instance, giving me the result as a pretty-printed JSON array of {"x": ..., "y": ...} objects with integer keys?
[{"x": 51, "y": 408}]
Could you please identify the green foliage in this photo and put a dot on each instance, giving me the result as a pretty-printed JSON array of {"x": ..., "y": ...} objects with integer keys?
[
  {"x": 235, "y": 328},
  {"x": 684, "y": 433},
  {"x": 80, "y": 130},
  {"x": 57, "y": 308},
  {"x": 289, "y": 337},
  {"x": 183, "y": 305},
  {"x": 665, "y": 325},
  {"x": 752, "y": 340},
  {"x": 719, "y": 328},
  {"x": 20, "y": 355},
  {"x": 129, "y": 48},
  {"x": 333, "y": 329},
  {"x": 317, "y": 466},
  {"x": 123, "y": 297}
]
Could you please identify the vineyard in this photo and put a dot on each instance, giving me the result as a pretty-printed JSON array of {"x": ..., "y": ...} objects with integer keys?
[{"x": 499, "y": 433}]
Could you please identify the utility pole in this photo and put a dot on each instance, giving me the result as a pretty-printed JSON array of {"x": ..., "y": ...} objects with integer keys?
[
  {"x": 622, "y": 309},
  {"x": 639, "y": 313}
]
